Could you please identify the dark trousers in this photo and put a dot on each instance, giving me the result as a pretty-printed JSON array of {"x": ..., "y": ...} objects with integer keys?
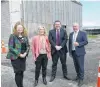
[
  {"x": 79, "y": 64},
  {"x": 55, "y": 57},
  {"x": 19, "y": 79},
  {"x": 41, "y": 61}
]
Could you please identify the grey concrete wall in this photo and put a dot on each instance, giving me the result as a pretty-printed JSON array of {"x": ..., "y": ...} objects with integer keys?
[{"x": 5, "y": 21}]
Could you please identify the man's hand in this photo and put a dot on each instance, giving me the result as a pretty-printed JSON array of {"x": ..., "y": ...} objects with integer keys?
[
  {"x": 58, "y": 47},
  {"x": 76, "y": 44}
]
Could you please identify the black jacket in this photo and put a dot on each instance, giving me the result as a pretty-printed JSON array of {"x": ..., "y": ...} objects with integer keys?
[{"x": 63, "y": 40}]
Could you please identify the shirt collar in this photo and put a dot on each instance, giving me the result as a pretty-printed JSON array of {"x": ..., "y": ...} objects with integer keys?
[
  {"x": 76, "y": 32},
  {"x": 57, "y": 30}
]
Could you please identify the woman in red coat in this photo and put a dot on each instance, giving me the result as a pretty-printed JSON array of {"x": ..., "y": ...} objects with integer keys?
[{"x": 41, "y": 52}]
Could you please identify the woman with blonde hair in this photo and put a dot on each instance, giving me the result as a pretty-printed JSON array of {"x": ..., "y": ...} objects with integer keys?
[
  {"x": 18, "y": 51},
  {"x": 41, "y": 52}
]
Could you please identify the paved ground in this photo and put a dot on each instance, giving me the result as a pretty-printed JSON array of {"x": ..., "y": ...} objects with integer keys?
[{"x": 91, "y": 70}]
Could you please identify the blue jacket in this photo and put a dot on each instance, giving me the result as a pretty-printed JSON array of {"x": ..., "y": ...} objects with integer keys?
[{"x": 82, "y": 40}]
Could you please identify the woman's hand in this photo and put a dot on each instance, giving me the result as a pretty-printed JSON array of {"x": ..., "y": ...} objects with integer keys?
[{"x": 23, "y": 55}]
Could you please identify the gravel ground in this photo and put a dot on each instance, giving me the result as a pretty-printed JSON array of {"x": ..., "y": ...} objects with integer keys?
[{"x": 91, "y": 70}]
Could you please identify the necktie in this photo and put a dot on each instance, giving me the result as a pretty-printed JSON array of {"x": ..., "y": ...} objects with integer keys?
[{"x": 58, "y": 38}]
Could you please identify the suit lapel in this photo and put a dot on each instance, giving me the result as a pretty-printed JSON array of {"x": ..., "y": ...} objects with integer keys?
[
  {"x": 72, "y": 36},
  {"x": 55, "y": 34},
  {"x": 78, "y": 36},
  {"x": 61, "y": 34}
]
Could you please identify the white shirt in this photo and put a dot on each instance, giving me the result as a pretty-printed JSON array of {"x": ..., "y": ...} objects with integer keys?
[{"x": 74, "y": 39}]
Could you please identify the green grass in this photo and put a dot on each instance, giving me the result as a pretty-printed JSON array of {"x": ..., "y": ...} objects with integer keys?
[{"x": 92, "y": 36}]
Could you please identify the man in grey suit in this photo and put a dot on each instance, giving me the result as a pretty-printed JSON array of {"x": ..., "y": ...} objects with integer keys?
[{"x": 77, "y": 41}]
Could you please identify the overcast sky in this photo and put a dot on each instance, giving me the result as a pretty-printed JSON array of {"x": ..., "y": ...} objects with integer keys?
[{"x": 91, "y": 12}]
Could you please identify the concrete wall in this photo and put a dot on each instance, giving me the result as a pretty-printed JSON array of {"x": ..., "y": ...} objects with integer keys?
[
  {"x": 10, "y": 14},
  {"x": 5, "y": 21},
  {"x": 15, "y": 12}
]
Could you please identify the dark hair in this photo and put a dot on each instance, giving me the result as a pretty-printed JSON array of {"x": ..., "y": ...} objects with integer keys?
[{"x": 57, "y": 21}]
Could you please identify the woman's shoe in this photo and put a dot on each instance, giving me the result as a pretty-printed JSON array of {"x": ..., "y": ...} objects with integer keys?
[
  {"x": 35, "y": 83},
  {"x": 44, "y": 81}
]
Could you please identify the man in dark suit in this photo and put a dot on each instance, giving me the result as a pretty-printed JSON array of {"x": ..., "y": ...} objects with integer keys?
[
  {"x": 77, "y": 41},
  {"x": 58, "y": 39}
]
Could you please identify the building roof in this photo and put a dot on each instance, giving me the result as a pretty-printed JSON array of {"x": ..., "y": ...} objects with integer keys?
[
  {"x": 91, "y": 27},
  {"x": 77, "y": 2}
]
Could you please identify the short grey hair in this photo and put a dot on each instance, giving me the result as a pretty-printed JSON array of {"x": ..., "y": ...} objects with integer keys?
[{"x": 75, "y": 24}]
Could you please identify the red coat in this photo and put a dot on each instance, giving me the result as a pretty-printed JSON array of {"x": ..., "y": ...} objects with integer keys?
[{"x": 36, "y": 47}]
